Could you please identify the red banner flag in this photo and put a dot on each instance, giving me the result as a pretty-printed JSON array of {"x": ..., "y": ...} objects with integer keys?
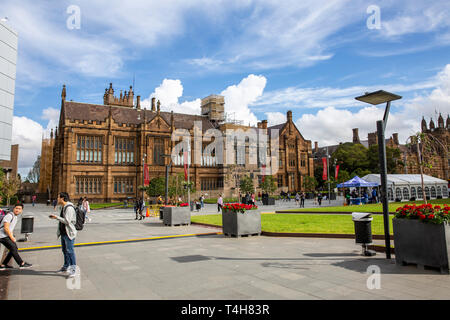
[
  {"x": 185, "y": 161},
  {"x": 146, "y": 175},
  {"x": 324, "y": 173},
  {"x": 337, "y": 172}
]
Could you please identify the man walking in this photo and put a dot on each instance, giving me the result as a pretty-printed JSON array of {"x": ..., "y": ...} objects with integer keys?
[
  {"x": 302, "y": 200},
  {"x": 66, "y": 230},
  {"x": 7, "y": 238}
]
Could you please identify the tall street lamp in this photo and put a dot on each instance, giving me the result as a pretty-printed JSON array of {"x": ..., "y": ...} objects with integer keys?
[{"x": 375, "y": 98}]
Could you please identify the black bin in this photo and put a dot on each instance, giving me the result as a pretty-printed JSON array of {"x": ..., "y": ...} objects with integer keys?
[
  {"x": 161, "y": 211},
  {"x": 27, "y": 224},
  {"x": 363, "y": 230}
]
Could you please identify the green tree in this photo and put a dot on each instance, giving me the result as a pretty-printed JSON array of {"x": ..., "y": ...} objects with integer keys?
[
  {"x": 351, "y": 157},
  {"x": 393, "y": 158},
  {"x": 268, "y": 185},
  {"x": 246, "y": 185},
  {"x": 10, "y": 187},
  {"x": 156, "y": 187},
  {"x": 309, "y": 183}
]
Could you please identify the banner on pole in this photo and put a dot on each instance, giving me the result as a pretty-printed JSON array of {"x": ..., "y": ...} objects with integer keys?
[
  {"x": 337, "y": 172},
  {"x": 146, "y": 175},
  {"x": 324, "y": 173},
  {"x": 185, "y": 162}
]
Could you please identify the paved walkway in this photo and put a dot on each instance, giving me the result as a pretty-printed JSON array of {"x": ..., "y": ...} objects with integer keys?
[{"x": 208, "y": 267}]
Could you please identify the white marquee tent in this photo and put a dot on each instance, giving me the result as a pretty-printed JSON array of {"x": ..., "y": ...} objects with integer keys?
[{"x": 406, "y": 186}]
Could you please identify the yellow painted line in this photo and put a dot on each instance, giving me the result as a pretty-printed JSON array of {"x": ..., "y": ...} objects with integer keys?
[{"x": 121, "y": 241}]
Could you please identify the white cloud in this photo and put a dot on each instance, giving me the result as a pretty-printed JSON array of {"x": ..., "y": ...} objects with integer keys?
[
  {"x": 321, "y": 97},
  {"x": 168, "y": 93},
  {"x": 332, "y": 125},
  {"x": 239, "y": 97},
  {"x": 274, "y": 118},
  {"x": 421, "y": 17},
  {"x": 28, "y": 134}
]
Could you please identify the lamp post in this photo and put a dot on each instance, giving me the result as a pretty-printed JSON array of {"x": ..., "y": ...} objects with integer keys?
[{"x": 376, "y": 98}]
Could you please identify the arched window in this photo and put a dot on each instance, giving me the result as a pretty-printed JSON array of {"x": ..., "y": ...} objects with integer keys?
[
  {"x": 405, "y": 193},
  {"x": 439, "y": 191},
  {"x": 433, "y": 192},
  {"x": 398, "y": 193},
  {"x": 419, "y": 193},
  {"x": 445, "y": 191},
  {"x": 427, "y": 191},
  {"x": 413, "y": 192},
  {"x": 390, "y": 194}
]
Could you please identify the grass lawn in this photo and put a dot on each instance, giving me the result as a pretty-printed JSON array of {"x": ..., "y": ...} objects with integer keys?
[
  {"x": 305, "y": 223},
  {"x": 104, "y": 205},
  {"x": 371, "y": 207}
]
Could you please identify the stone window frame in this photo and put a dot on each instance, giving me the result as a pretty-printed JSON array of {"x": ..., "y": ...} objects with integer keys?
[{"x": 90, "y": 146}]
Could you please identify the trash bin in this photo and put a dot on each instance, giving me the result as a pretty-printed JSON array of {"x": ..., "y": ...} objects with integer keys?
[
  {"x": 192, "y": 205},
  {"x": 27, "y": 226},
  {"x": 161, "y": 211},
  {"x": 363, "y": 231}
]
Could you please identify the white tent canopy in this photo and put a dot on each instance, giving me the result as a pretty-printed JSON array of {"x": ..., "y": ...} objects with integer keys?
[{"x": 406, "y": 186}]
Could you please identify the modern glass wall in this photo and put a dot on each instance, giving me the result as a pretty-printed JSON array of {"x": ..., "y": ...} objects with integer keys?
[{"x": 8, "y": 59}]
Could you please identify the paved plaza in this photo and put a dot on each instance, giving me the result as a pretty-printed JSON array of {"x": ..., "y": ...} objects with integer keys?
[{"x": 205, "y": 266}]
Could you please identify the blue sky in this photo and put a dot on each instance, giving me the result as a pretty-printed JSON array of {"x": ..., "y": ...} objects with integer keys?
[{"x": 265, "y": 57}]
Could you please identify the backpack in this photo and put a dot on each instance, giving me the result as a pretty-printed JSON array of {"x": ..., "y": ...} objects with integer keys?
[{"x": 80, "y": 218}]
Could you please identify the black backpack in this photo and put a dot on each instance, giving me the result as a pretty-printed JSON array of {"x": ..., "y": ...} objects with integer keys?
[{"x": 80, "y": 218}]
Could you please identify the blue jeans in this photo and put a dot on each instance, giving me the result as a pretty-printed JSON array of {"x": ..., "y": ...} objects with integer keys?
[{"x": 68, "y": 251}]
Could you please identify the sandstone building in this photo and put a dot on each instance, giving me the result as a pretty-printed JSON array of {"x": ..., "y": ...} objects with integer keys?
[{"x": 99, "y": 150}]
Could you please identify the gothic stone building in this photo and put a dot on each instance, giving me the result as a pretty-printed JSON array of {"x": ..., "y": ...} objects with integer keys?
[{"x": 99, "y": 150}]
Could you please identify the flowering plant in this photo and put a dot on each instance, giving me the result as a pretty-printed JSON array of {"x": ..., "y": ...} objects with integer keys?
[
  {"x": 239, "y": 207},
  {"x": 185, "y": 204},
  {"x": 424, "y": 212}
]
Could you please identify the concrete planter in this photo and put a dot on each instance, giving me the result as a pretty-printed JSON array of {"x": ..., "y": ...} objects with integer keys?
[
  {"x": 239, "y": 224},
  {"x": 176, "y": 216},
  {"x": 424, "y": 244}
]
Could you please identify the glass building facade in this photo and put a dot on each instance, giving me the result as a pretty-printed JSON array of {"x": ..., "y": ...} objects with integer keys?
[{"x": 8, "y": 59}]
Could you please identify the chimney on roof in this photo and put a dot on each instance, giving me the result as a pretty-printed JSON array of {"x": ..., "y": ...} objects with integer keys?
[
  {"x": 158, "y": 106},
  {"x": 356, "y": 136},
  {"x": 138, "y": 102},
  {"x": 264, "y": 124},
  {"x": 316, "y": 146},
  {"x": 153, "y": 104},
  {"x": 395, "y": 138}
]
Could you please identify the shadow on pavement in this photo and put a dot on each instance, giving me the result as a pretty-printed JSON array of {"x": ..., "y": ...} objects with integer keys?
[
  {"x": 386, "y": 267},
  {"x": 30, "y": 272}
]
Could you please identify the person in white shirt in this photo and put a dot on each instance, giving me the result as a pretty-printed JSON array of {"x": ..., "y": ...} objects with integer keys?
[{"x": 87, "y": 209}]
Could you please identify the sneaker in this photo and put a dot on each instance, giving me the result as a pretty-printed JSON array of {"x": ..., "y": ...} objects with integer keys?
[
  {"x": 72, "y": 273},
  {"x": 62, "y": 270},
  {"x": 26, "y": 265},
  {"x": 5, "y": 267}
]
